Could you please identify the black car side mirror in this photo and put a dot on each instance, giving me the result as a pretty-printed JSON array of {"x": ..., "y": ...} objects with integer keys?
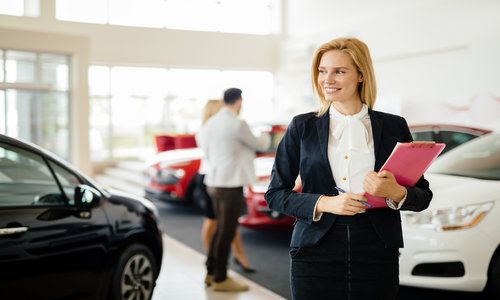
[{"x": 86, "y": 196}]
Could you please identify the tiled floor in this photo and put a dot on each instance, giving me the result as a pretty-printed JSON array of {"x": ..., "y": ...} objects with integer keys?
[{"x": 182, "y": 275}]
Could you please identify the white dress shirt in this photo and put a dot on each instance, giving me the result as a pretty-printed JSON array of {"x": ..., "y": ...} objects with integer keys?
[
  {"x": 351, "y": 151},
  {"x": 229, "y": 150}
]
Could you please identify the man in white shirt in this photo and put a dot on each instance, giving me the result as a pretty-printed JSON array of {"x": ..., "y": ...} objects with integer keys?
[{"x": 229, "y": 147}]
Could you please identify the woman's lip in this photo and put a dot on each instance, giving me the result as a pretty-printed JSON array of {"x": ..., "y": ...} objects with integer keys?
[{"x": 330, "y": 90}]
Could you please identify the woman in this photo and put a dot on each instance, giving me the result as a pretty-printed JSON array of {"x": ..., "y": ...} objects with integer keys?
[
  {"x": 339, "y": 248},
  {"x": 210, "y": 222}
]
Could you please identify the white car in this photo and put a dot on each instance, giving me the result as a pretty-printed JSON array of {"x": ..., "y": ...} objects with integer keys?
[{"x": 454, "y": 244}]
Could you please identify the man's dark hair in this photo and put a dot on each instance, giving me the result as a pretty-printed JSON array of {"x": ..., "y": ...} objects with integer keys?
[{"x": 232, "y": 95}]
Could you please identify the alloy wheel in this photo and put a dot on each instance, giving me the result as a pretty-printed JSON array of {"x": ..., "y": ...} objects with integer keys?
[{"x": 137, "y": 278}]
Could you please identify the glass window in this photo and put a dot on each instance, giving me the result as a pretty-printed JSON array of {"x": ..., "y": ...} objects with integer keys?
[
  {"x": 3, "y": 123},
  {"x": 41, "y": 118},
  {"x": 479, "y": 158},
  {"x": 138, "y": 81},
  {"x": 100, "y": 113},
  {"x": 67, "y": 179},
  {"x": 185, "y": 102},
  {"x": 192, "y": 15},
  {"x": 242, "y": 16},
  {"x": 21, "y": 66},
  {"x": 99, "y": 80},
  {"x": 137, "y": 100},
  {"x": 1, "y": 65},
  {"x": 26, "y": 180},
  {"x": 454, "y": 138},
  {"x": 29, "y": 8},
  {"x": 55, "y": 71},
  {"x": 237, "y": 16},
  {"x": 38, "y": 109},
  {"x": 423, "y": 136},
  {"x": 257, "y": 94},
  {"x": 136, "y": 104},
  {"x": 100, "y": 128},
  {"x": 89, "y": 11}
]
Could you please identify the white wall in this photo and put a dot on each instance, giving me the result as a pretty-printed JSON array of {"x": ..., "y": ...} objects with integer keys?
[{"x": 441, "y": 55}]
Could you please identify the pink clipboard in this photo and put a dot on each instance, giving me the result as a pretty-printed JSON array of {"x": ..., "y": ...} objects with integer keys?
[{"x": 408, "y": 162}]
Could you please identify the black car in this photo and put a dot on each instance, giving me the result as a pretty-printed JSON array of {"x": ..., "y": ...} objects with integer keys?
[{"x": 63, "y": 237}]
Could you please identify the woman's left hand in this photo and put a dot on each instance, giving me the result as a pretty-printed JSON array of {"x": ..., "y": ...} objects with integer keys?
[{"x": 383, "y": 184}]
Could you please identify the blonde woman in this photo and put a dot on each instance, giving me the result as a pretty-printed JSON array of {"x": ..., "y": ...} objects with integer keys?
[
  {"x": 210, "y": 221},
  {"x": 339, "y": 248}
]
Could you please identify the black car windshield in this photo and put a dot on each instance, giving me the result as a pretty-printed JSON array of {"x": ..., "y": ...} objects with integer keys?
[{"x": 479, "y": 158}]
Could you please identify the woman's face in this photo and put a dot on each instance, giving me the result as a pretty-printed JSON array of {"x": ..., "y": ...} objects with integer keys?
[{"x": 338, "y": 77}]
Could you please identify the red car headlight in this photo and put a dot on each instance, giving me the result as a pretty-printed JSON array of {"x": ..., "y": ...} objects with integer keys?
[{"x": 169, "y": 176}]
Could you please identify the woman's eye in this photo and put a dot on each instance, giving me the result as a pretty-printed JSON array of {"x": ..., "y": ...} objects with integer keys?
[
  {"x": 322, "y": 71},
  {"x": 340, "y": 72}
]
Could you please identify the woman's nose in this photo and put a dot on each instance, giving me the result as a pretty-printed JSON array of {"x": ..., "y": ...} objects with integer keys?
[{"x": 330, "y": 78}]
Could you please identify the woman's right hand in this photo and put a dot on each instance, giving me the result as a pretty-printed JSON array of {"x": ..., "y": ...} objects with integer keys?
[{"x": 347, "y": 204}]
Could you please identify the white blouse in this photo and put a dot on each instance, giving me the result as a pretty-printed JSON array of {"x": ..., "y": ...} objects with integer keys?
[
  {"x": 350, "y": 149},
  {"x": 351, "y": 152}
]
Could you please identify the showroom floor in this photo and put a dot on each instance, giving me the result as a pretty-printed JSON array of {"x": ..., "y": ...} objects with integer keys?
[{"x": 182, "y": 276}]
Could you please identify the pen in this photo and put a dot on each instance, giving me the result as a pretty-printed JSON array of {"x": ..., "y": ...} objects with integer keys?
[{"x": 364, "y": 202}]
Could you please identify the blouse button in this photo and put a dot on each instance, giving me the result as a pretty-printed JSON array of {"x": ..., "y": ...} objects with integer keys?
[
  {"x": 343, "y": 178},
  {"x": 346, "y": 157}
]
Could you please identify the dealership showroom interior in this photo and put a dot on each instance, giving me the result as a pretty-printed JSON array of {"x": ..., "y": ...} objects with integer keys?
[{"x": 107, "y": 190}]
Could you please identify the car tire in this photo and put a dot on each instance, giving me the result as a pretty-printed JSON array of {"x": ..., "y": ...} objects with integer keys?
[
  {"x": 493, "y": 285},
  {"x": 134, "y": 276}
]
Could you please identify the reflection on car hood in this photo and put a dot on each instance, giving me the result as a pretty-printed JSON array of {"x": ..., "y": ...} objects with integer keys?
[
  {"x": 452, "y": 191},
  {"x": 176, "y": 156},
  {"x": 132, "y": 201}
]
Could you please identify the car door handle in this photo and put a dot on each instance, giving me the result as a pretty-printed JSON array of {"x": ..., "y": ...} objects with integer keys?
[{"x": 13, "y": 230}]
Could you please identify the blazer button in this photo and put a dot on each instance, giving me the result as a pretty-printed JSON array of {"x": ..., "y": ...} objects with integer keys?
[
  {"x": 343, "y": 178},
  {"x": 346, "y": 157}
]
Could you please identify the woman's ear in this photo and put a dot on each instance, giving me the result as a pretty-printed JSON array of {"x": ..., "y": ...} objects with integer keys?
[{"x": 360, "y": 78}]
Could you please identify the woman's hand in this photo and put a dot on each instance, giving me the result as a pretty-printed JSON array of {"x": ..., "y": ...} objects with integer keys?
[
  {"x": 347, "y": 204},
  {"x": 384, "y": 184}
]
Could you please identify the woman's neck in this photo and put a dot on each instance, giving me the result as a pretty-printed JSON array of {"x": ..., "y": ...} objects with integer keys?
[{"x": 348, "y": 108}]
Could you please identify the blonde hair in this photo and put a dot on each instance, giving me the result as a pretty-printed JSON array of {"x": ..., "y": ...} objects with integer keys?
[
  {"x": 210, "y": 109},
  {"x": 362, "y": 60}
]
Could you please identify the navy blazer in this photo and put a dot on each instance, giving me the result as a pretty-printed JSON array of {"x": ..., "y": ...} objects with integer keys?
[{"x": 303, "y": 150}]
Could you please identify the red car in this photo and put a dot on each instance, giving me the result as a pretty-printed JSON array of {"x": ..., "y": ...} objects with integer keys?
[
  {"x": 171, "y": 174},
  {"x": 258, "y": 215}
]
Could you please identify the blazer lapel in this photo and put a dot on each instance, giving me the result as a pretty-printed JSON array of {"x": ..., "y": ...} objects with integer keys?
[
  {"x": 377, "y": 138},
  {"x": 323, "y": 128}
]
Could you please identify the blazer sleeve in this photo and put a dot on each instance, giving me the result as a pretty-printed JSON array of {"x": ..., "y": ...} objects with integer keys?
[
  {"x": 419, "y": 196},
  {"x": 280, "y": 195}
]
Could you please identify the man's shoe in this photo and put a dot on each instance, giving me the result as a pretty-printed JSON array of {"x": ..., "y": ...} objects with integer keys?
[
  {"x": 229, "y": 285},
  {"x": 208, "y": 279}
]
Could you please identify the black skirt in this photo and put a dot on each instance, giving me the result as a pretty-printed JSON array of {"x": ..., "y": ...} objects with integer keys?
[
  {"x": 350, "y": 262},
  {"x": 206, "y": 201}
]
